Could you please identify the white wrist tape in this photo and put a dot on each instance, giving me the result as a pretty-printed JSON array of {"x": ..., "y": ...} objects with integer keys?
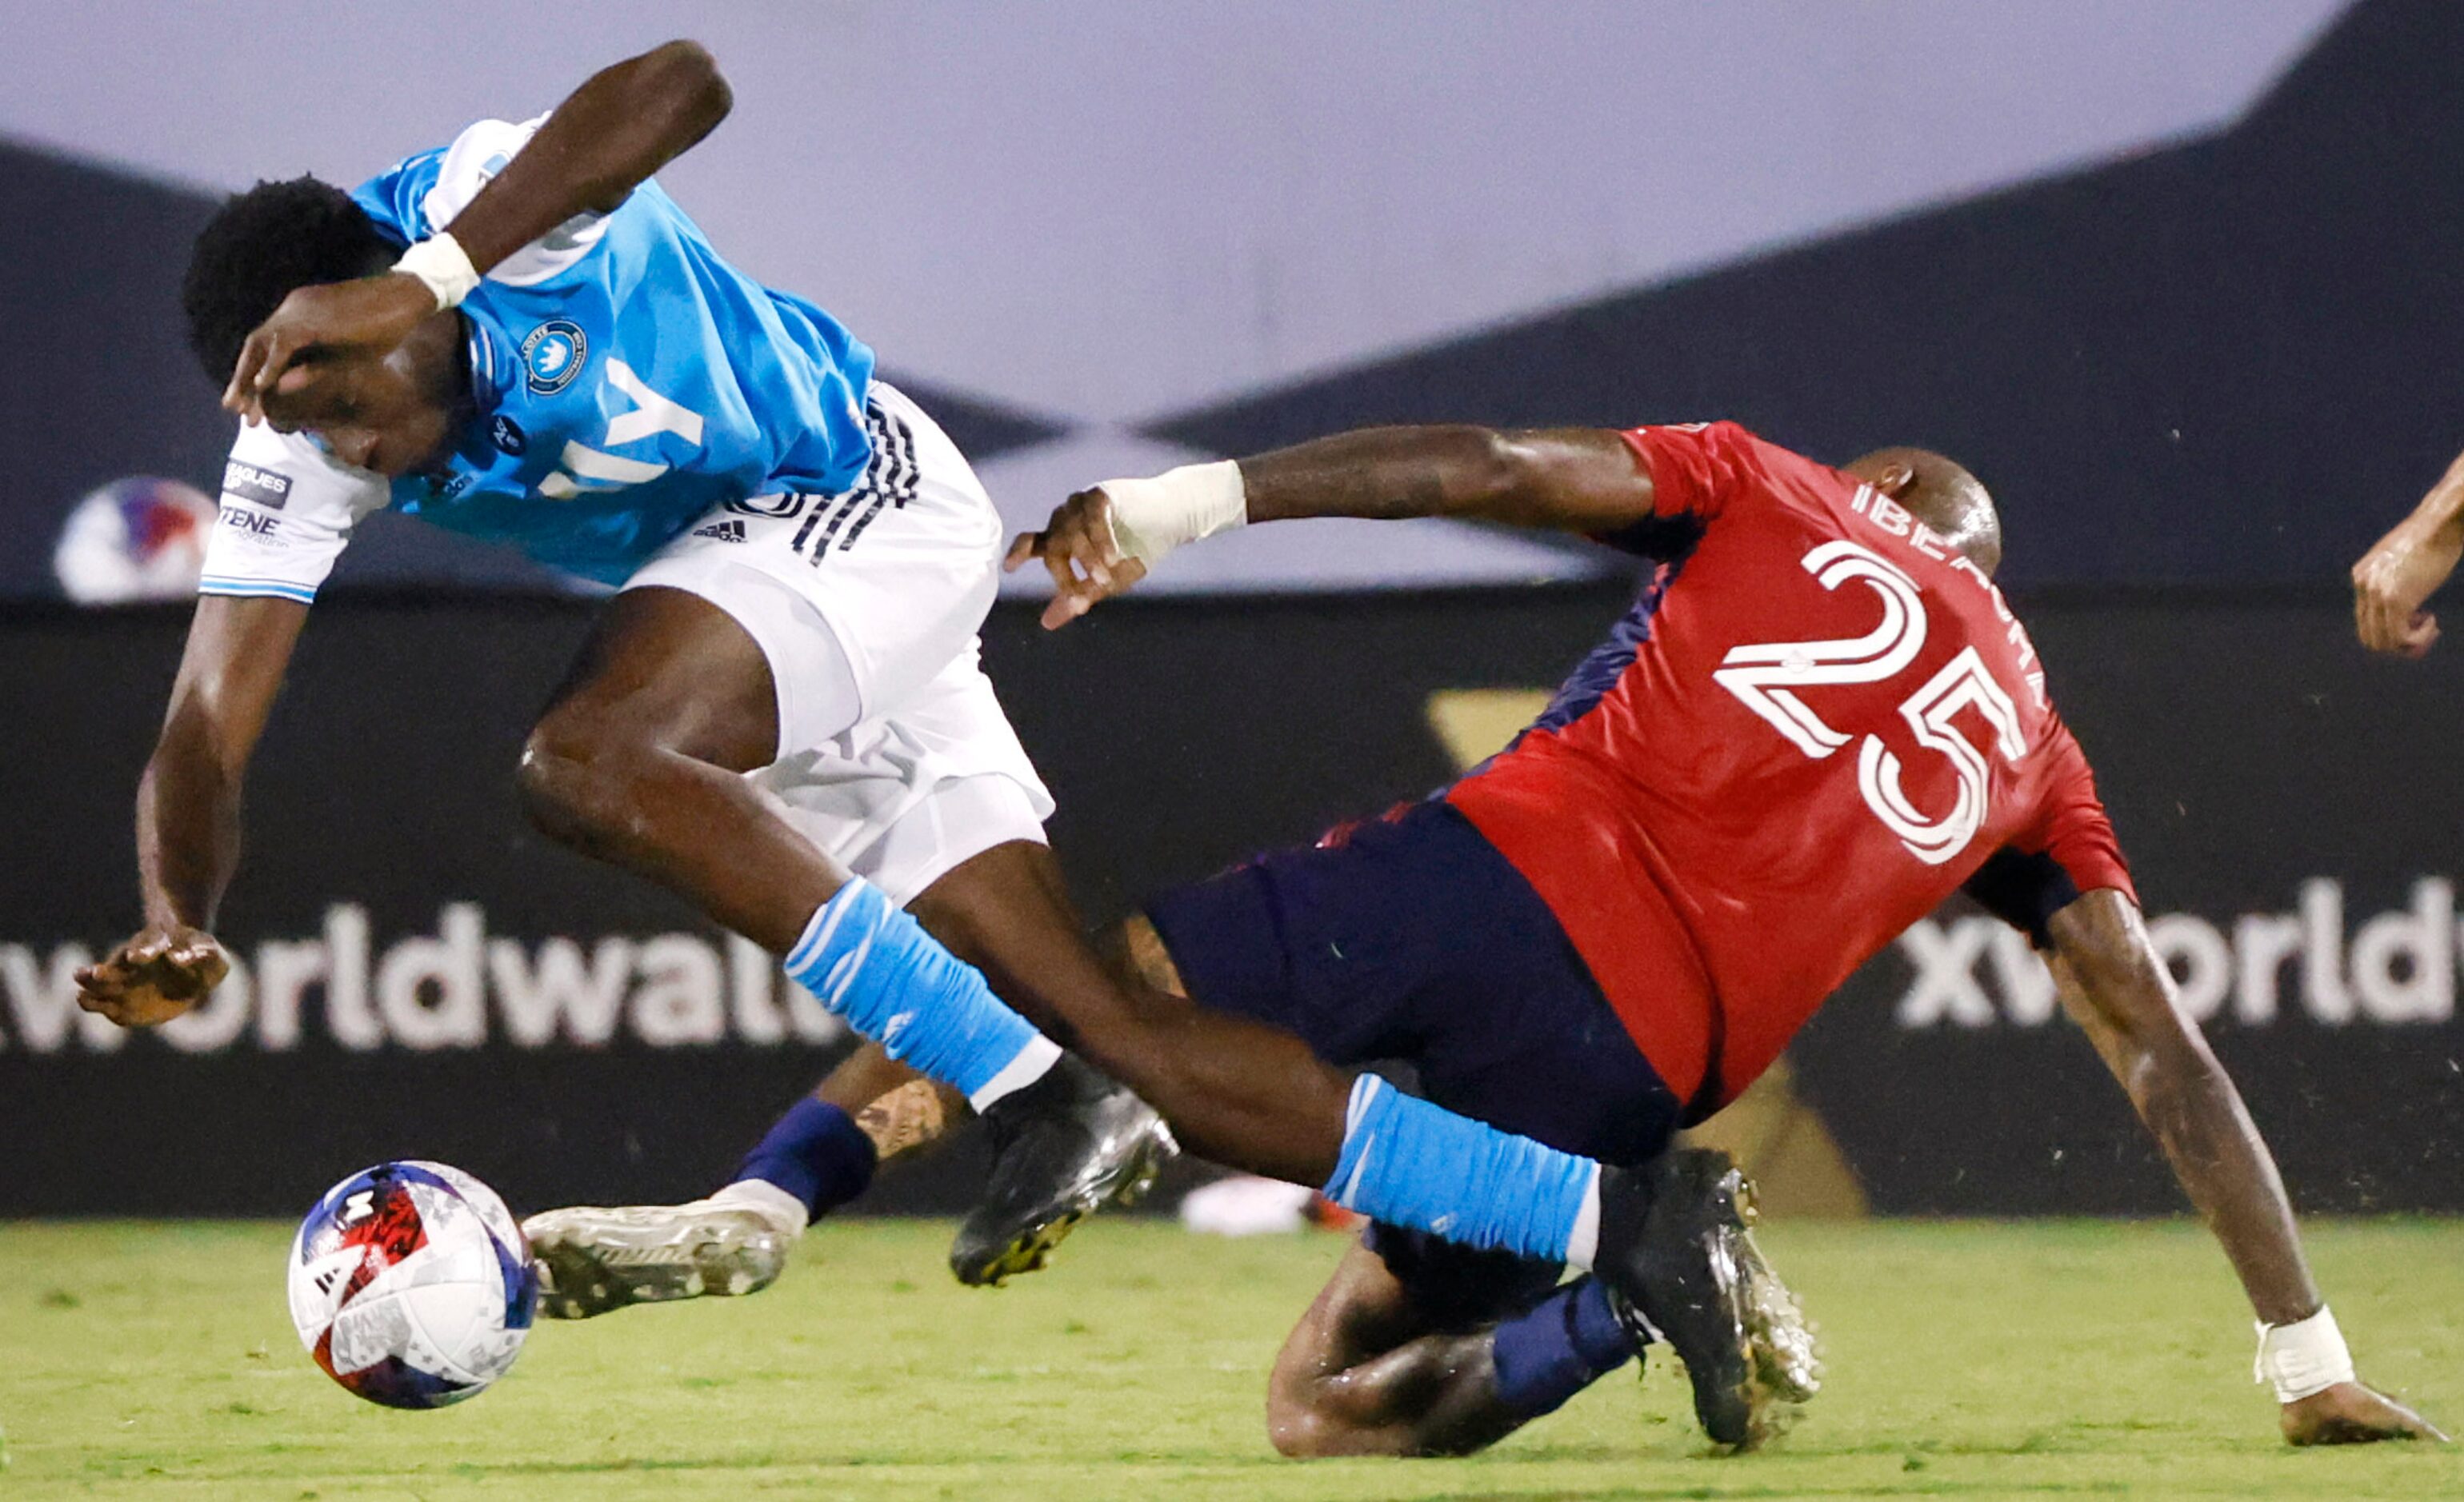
[
  {"x": 2305, "y": 1356},
  {"x": 1152, "y": 518},
  {"x": 441, "y": 262}
]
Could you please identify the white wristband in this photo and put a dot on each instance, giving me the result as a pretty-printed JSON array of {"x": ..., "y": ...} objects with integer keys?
[
  {"x": 1152, "y": 518},
  {"x": 2305, "y": 1356},
  {"x": 441, "y": 262}
]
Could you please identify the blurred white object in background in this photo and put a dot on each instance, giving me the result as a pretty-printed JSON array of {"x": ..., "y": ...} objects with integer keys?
[
  {"x": 1246, "y": 1206},
  {"x": 1241, "y": 1206},
  {"x": 135, "y": 539}
]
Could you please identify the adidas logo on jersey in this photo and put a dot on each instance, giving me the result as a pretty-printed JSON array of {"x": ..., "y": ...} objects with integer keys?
[{"x": 722, "y": 532}]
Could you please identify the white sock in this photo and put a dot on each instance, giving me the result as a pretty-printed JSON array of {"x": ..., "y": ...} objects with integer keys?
[
  {"x": 1033, "y": 1062},
  {"x": 781, "y": 1209},
  {"x": 1583, "y": 1243}
]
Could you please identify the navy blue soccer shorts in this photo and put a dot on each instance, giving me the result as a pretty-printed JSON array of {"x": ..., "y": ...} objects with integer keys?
[{"x": 1410, "y": 939}]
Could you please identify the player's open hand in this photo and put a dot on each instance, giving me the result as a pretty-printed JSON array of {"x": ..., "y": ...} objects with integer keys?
[
  {"x": 1083, "y": 554},
  {"x": 2394, "y": 580},
  {"x": 155, "y": 977},
  {"x": 2350, "y": 1413},
  {"x": 373, "y": 314}
]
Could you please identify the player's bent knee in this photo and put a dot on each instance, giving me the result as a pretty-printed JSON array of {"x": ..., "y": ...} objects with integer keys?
[
  {"x": 1301, "y": 1429},
  {"x": 575, "y": 778},
  {"x": 1297, "y": 1431}
]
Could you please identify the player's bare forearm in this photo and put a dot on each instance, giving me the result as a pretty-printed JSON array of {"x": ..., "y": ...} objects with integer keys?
[
  {"x": 1571, "y": 479},
  {"x": 2443, "y": 507},
  {"x": 187, "y": 824},
  {"x": 188, "y": 809},
  {"x": 2112, "y": 982},
  {"x": 623, "y": 124},
  {"x": 187, "y": 804},
  {"x": 1101, "y": 543}
]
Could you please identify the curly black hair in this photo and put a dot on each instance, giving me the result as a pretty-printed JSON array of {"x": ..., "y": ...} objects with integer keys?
[{"x": 258, "y": 247}]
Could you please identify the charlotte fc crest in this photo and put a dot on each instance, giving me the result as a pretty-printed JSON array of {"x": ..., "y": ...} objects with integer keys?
[{"x": 553, "y": 355}]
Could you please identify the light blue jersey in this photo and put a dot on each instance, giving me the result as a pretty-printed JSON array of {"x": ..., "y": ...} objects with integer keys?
[
  {"x": 627, "y": 382},
  {"x": 628, "y": 379}
]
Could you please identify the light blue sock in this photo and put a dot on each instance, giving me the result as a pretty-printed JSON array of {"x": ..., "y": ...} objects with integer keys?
[
  {"x": 877, "y": 968},
  {"x": 1422, "y": 1166}
]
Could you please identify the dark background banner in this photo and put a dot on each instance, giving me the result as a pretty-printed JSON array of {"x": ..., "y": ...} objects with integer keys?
[{"x": 427, "y": 978}]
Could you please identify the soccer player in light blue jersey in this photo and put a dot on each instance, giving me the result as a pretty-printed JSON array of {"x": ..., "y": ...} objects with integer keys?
[{"x": 520, "y": 337}]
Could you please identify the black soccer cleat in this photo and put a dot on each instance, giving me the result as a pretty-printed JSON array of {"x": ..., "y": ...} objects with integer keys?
[
  {"x": 1677, "y": 1255},
  {"x": 1062, "y": 1147}
]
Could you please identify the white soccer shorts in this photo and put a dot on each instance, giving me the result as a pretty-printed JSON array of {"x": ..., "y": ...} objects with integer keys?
[{"x": 893, "y": 753}]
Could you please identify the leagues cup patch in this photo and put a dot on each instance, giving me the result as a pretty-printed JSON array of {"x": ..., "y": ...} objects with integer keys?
[
  {"x": 246, "y": 482},
  {"x": 553, "y": 355},
  {"x": 508, "y": 434}
]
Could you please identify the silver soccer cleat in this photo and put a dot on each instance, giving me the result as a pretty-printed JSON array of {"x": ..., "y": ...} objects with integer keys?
[
  {"x": 1785, "y": 1356},
  {"x": 593, "y": 1259}
]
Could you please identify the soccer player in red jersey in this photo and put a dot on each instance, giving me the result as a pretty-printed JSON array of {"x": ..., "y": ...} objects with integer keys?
[{"x": 1819, "y": 720}]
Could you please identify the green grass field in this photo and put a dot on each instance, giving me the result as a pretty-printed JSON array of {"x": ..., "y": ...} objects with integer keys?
[{"x": 1967, "y": 1360}]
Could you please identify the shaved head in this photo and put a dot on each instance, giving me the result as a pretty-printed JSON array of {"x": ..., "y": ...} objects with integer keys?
[{"x": 1940, "y": 493}]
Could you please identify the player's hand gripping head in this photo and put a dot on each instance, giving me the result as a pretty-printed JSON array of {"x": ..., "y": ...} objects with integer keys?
[{"x": 293, "y": 306}]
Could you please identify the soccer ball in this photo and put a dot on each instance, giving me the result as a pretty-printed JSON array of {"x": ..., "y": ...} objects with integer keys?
[
  {"x": 143, "y": 538},
  {"x": 411, "y": 1285}
]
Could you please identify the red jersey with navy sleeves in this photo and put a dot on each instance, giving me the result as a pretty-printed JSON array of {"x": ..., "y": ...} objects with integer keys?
[{"x": 1817, "y": 723}]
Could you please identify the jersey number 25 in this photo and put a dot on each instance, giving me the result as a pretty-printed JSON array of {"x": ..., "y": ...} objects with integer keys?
[{"x": 1766, "y": 676}]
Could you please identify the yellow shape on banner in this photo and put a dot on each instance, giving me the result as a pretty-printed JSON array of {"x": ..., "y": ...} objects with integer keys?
[
  {"x": 1796, "y": 1163},
  {"x": 1798, "y": 1166},
  {"x": 1476, "y": 723}
]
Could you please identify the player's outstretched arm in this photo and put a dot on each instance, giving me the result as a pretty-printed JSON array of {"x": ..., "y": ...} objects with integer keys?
[
  {"x": 2113, "y": 983},
  {"x": 1102, "y": 541},
  {"x": 623, "y": 124},
  {"x": 2397, "y": 577},
  {"x": 188, "y": 810}
]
